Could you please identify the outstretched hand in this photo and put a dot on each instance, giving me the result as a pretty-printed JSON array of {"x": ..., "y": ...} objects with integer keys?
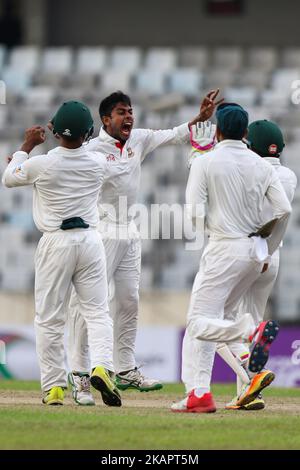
[{"x": 207, "y": 107}]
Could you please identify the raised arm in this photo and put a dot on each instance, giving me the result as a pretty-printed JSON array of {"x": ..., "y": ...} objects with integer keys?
[
  {"x": 180, "y": 134},
  {"x": 207, "y": 107},
  {"x": 21, "y": 170}
]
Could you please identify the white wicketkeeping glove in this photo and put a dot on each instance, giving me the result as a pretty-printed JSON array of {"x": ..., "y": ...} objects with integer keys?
[{"x": 202, "y": 138}]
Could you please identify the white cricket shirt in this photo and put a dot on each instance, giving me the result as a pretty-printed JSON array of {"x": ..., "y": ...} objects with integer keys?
[
  {"x": 124, "y": 167},
  {"x": 66, "y": 184},
  {"x": 234, "y": 182},
  {"x": 288, "y": 180}
]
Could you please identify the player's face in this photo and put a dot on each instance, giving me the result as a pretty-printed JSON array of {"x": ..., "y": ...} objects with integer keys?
[{"x": 119, "y": 124}]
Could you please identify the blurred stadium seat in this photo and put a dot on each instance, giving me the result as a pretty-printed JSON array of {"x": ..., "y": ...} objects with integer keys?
[
  {"x": 161, "y": 59},
  {"x": 186, "y": 80},
  {"x": 245, "y": 96},
  {"x": 291, "y": 57},
  {"x": 91, "y": 60},
  {"x": 125, "y": 58},
  {"x": 254, "y": 78},
  {"x": 262, "y": 58},
  {"x": 26, "y": 58},
  {"x": 194, "y": 57},
  {"x": 151, "y": 81},
  {"x": 230, "y": 58},
  {"x": 16, "y": 80},
  {"x": 112, "y": 79},
  {"x": 57, "y": 60}
]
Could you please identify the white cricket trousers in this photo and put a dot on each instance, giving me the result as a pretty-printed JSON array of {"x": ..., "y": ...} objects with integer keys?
[
  {"x": 123, "y": 260},
  {"x": 255, "y": 301},
  {"x": 65, "y": 258},
  {"x": 225, "y": 274}
]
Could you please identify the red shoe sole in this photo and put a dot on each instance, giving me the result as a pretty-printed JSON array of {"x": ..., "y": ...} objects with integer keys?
[
  {"x": 196, "y": 410},
  {"x": 260, "y": 352}
]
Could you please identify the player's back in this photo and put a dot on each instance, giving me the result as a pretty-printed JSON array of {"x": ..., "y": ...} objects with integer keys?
[
  {"x": 68, "y": 187},
  {"x": 237, "y": 181}
]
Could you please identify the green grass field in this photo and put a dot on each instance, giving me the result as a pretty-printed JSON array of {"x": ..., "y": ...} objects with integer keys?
[{"x": 145, "y": 422}]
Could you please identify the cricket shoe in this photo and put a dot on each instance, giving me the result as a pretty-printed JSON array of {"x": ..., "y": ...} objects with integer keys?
[
  {"x": 257, "y": 384},
  {"x": 81, "y": 392},
  {"x": 54, "y": 396},
  {"x": 257, "y": 404},
  {"x": 193, "y": 404},
  {"x": 101, "y": 381},
  {"x": 262, "y": 339},
  {"x": 136, "y": 380}
]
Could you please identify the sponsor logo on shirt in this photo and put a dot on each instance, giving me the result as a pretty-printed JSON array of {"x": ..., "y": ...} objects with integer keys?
[
  {"x": 130, "y": 152},
  {"x": 110, "y": 158}
]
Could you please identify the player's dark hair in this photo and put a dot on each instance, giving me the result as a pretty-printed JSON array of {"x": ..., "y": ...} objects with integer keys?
[{"x": 111, "y": 101}]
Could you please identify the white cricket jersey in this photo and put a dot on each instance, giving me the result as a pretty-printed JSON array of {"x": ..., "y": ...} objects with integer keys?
[
  {"x": 234, "y": 182},
  {"x": 66, "y": 184},
  {"x": 124, "y": 167},
  {"x": 288, "y": 180}
]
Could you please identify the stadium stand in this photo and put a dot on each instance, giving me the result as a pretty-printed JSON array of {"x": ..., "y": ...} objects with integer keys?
[{"x": 165, "y": 86}]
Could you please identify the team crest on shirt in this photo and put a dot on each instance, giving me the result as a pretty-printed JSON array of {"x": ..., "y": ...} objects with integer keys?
[
  {"x": 273, "y": 149},
  {"x": 110, "y": 158},
  {"x": 130, "y": 152}
]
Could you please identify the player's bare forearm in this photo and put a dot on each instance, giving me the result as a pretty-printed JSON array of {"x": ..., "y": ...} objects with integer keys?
[
  {"x": 33, "y": 136},
  {"x": 265, "y": 268},
  {"x": 266, "y": 230},
  {"x": 207, "y": 107}
]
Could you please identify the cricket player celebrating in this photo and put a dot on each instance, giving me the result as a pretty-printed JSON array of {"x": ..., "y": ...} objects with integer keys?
[
  {"x": 66, "y": 184},
  {"x": 233, "y": 182},
  {"x": 125, "y": 149},
  {"x": 266, "y": 139}
]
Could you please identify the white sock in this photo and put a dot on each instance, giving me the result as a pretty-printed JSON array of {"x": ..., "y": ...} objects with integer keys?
[
  {"x": 200, "y": 391},
  {"x": 239, "y": 382}
]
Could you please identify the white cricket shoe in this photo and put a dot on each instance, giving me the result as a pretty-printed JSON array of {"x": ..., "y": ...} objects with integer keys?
[
  {"x": 180, "y": 405},
  {"x": 81, "y": 393},
  {"x": 258, "y": 382},
  {"x": 136, "y": 380},
  {"x": 257, "y": 404},
  {"x": 193, "y": 404}
]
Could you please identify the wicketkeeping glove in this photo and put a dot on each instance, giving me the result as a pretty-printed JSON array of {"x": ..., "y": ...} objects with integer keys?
[{"x": 202, "y": 138}]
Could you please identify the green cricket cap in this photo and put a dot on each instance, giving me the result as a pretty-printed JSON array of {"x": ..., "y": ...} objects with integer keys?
[
  {"x": 265, "y": 138},
  {"x": 73, "y": 119}
]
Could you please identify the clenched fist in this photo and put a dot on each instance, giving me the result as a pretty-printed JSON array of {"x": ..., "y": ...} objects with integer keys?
[{"x": 33, "y": 136}]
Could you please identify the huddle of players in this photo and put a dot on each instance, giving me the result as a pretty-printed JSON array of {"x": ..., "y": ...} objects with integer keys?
[{"x": 77, "y": 256}]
